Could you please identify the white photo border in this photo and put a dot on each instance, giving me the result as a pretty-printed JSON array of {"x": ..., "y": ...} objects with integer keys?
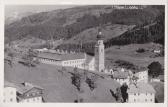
[{"x": 3, "y": 3}]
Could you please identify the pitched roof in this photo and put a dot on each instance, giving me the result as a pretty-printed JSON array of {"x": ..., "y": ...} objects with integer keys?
[
  {"x": 89, "y": 58},
  {"x": 141, "y": 87},
  {"x": 142, "y": 68},
  {"x": 48, "y": 55},
  {"x": 72, "y": 56},
  {"x": 63, "y": 57},
  {"x": 120, "y": 75},
  {"x": 22, "y": 87}
]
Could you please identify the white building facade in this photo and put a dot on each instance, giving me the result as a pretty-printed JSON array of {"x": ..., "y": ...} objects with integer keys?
[
  {"x": 141, "y": 98},
  {"x": 142, "y": 76},
  {"x": 9, "y": 94},
  {"x": 141, "y": 93},
  {"x": 35, "y": 99}
]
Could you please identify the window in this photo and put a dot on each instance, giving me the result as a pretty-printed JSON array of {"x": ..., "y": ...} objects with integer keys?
[
  {"x": 97, "y": 50},
  {"x": 11, "y": 92},
  {"x": 33, "y": 94},
  {"x": 11, "y": 100},
  {"x": 27, "y": 95},
  {"x": 37, "y": 98}
]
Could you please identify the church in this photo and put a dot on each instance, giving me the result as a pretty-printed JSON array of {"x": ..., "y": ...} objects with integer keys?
[{"x": 78, "y": 60}]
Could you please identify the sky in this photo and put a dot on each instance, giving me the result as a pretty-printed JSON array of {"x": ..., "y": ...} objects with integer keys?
[{"x": 18, "y": 9}]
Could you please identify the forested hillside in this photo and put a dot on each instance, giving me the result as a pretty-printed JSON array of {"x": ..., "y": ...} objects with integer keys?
[
  {"x": 78, "y": 26},
  {"x": 152, "y": 31}
]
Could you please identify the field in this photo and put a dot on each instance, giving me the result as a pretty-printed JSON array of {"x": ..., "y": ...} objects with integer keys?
[
  {"x": 58, "y": 86},
  {"x": 128, "y": 53}
]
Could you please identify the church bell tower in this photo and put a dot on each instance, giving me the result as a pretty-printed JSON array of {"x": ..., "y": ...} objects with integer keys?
[{"x": 99, "y": 53}]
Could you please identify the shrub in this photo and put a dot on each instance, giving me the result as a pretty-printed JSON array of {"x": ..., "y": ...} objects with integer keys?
[
  {"x": 140, "y": 50},
  {"x": 155, "y": 69}
]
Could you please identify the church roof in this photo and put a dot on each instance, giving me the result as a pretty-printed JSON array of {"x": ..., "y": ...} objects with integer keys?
[
  {"x": 72, "y": 56},
  {"x": 89, "y": 58},
  {"x": 63, "y": 57},
  {"x": 48, "y": 55}
]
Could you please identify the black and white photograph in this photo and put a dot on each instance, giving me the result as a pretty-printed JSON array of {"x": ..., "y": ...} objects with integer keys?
[{"x": 84, "y": 54}]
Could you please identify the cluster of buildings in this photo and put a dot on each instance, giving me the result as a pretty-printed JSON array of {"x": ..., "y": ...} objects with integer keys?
[
  {"x": 22, "y": 93},
  {"x": 79, "y": 60},
  {"x": 135, "y": 81},
  {"x": 139, "y": 90}
]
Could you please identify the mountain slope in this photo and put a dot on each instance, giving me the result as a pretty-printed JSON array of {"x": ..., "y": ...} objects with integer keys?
[
  {"x": 109, "y": 31},
  {"x": 67, "y": 23}
]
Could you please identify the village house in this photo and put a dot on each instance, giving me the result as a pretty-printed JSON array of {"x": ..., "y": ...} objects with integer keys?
[
  {"x": 23, "y": 92},
  {"x": 157, "y": 51},
  {"x": 41, "y": 50},
  {"x": 27, "y": 92},
  {"x": 121, "y": 77},
  {"x": 141, "y": 93},
  {"x": 9, "y": 92},
  {"x": 142, "y": 75}
]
